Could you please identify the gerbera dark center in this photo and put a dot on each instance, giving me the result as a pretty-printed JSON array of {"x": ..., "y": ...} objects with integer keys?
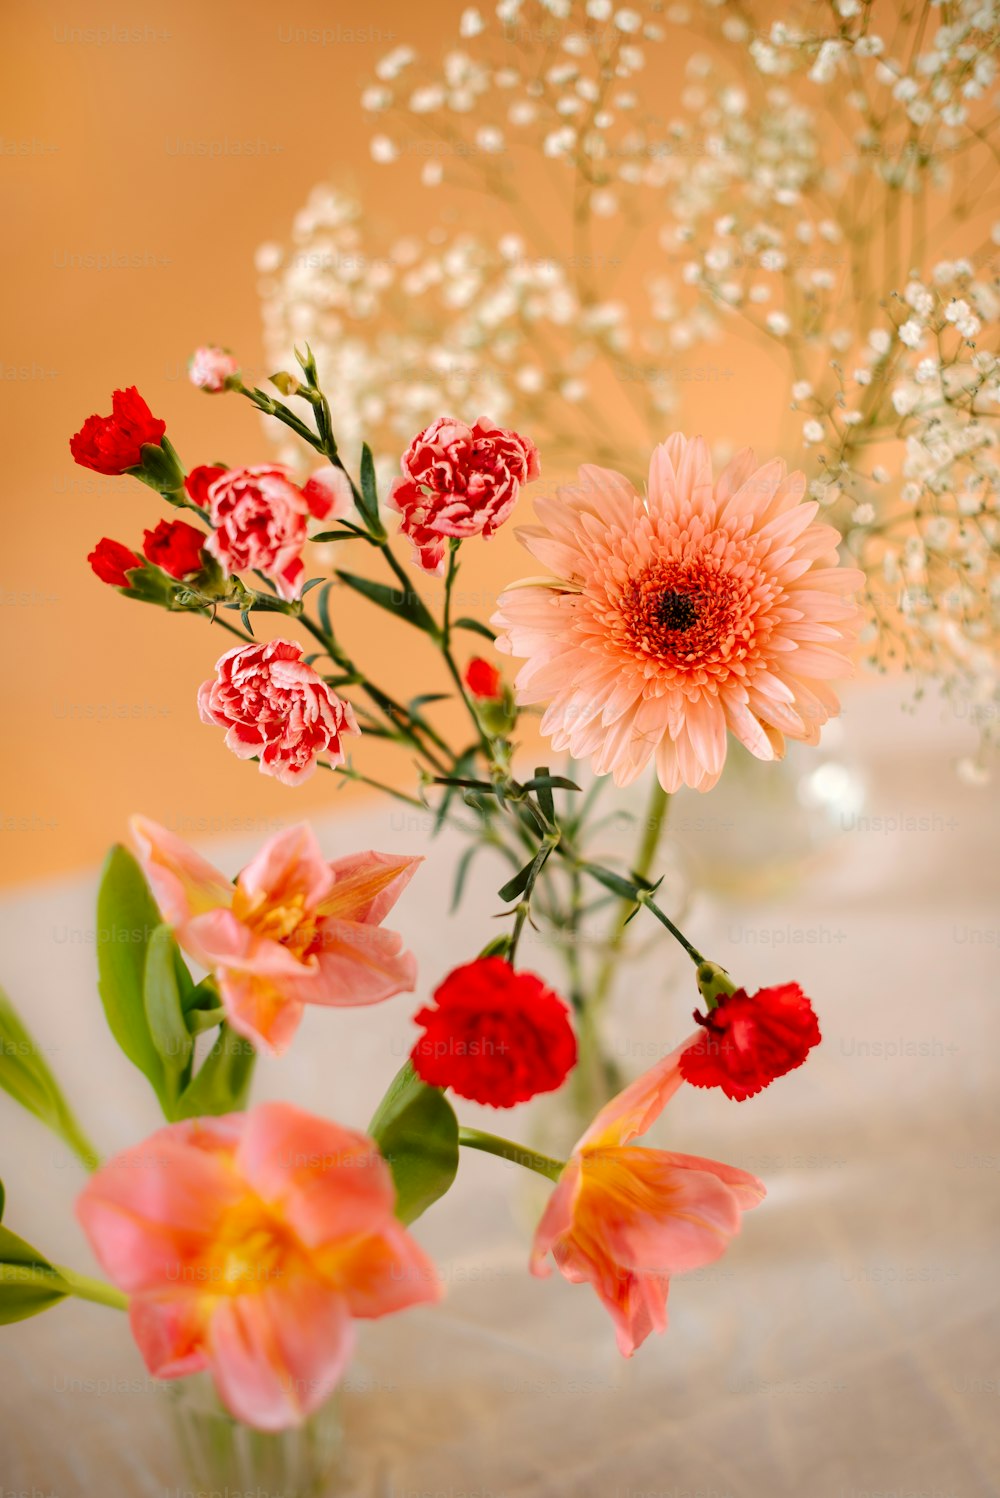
[{"x": 676, "y": 611}]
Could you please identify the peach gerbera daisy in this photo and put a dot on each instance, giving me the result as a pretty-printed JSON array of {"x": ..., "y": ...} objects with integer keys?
[{"x": 673, "y": 617}]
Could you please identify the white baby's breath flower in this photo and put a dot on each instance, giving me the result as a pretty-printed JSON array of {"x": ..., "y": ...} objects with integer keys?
[
  {"x": 812, "y": 432},
  {"x": 383, "y": 149},
  {"x": 911, "y": 333},
  {"x": 801, "y": 390},
  {"x": 470, "y": 23}
]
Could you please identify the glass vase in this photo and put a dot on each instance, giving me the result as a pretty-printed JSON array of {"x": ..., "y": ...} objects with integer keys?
[{"x": 221, "y": 1455}]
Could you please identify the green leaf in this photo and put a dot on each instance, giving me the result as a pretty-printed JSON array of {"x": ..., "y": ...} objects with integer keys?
[
  {"x": 611, "y": 881},
  {"x": 519, "y": 883},
  {"x": 476, "y": 627},
  {"x": 28, "y": 1282},
  {"x": 222, "y": 1082},
  {"x": 164, "y": 990},
  {"x": 542, "y": 783},
  {"x": 498, "y": 947},
  {"x": 25, "y": 1075},
  {"x": 126, "y": 919},
  {"x": 3, "y": 1198},
  {"x": 542, "y": 780},
  {"x": 416, "y": 1130},
  {"x": 369, "y": 492},
  {"x": 464, "y": 864},
  {"x": 323, "y": 604},
  {"x": 404, "y": 605}
]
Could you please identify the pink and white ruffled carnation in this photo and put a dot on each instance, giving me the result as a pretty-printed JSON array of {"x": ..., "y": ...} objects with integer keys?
[
  {"x": 292, "y": 930},
  {"x": 260, "y": 519},
  {"x": 703, "y": 606},
  {"x": 459, "y": 481},
  {"x": 276, "y": 708}
]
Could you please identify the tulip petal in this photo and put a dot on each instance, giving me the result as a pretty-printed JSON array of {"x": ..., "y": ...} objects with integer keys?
[
  {"x": 361, "y": 964},
  {"x": 290, "y": 865},
  {"x": 652, "y": 1216},
  {"x": 151, "y": 1210},
  {"x": 387, "y": 1272},
  {"x": 327, "y": 1182},
  {"x": 169, "y": 1332},
  {"x": 183, "y": 883},
  {"x": 637, "y": 1108},
  {"x": 278, "y": 1354},
  {"x": 367, "y": 885},
  {"x": 260, "y": 1010}
]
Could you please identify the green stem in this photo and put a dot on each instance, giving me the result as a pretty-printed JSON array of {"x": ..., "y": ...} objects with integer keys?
[
  {"x": 80, "y": 1285},
  {"x": 84, "y": 1287},
  {"x": 350, "y": 774},
  {"x": 449, "y": 659},
  {"x": 507, "y": 1150},
  {"x": 656, "y": 815},
  {"x": 664, "y": 920}
]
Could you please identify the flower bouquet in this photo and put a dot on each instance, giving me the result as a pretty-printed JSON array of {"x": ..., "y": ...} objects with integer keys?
[{"x": 245, "y": 1241}]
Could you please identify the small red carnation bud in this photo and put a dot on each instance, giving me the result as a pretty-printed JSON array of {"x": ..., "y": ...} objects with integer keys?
[
  {"x": 496, "y": 1036},
  {"x": 113, "y": 444},
  {"x": 483, "y": 680},
  {"x": 200, "y": 480},
  {"x": 176, "y": 547},
  {"x": 111, "y": 560},
  {"x": 749, "y": 1040}
]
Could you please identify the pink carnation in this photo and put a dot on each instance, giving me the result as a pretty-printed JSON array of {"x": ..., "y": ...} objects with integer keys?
[
  {"x": 260, "y": 525},
  {"x": 278, "y": 708},
  {"x": 459, "y": 481},
  {"x": 209, "y": 368}
]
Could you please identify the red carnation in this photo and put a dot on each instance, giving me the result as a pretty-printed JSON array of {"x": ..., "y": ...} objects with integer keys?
[
  {"x": 483, "y": 680},
  {"x": 113, "y": 444},
  {"x": 751, "y": 1039},
  {"x": 497, "y": 1036},
  {"x": 111, "y": 560},
  {"x": 176, "y": 547},
  {"x": 200, "y": 480}
]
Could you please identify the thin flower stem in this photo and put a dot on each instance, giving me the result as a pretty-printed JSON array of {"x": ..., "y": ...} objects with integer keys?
[
  {"x": 395, "y": 714},
  {"x": 492, "y": 1144},
  {"x": 656, "y": 816},
  {"x": 449, "y": 659},
  {"x": 645, "y": 899},
  {"x": 349, "y": 774}
]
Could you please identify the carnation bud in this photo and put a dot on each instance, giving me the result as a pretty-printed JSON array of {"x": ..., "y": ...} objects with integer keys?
[
  {"x": 212, "y": 369},
  {"x": 713, "y": 982}
]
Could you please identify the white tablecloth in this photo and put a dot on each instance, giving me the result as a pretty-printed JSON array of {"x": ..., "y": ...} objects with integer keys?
[{"x": 845, "y": 1347}]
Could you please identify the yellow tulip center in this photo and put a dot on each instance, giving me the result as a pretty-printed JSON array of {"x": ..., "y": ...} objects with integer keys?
[{"x": 284, "y": 920}]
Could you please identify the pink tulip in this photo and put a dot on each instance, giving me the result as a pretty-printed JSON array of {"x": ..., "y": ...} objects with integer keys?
[
  {"x": 248, "y": 1245},
  {"x": 626, "y": 1219},
  {"x": 293, "y": 930}
]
